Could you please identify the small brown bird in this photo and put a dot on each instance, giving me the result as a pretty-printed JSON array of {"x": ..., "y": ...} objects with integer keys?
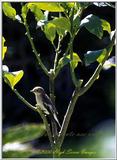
[{"x": 45, "y": 103}]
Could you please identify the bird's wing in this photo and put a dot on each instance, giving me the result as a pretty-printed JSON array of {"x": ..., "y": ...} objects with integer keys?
[
  {"x": 50, "y": 107},
  {"x": 47, "y": 101}
]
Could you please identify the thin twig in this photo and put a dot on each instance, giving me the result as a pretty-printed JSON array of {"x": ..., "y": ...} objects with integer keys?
[
  {"x": 34, "y": 49},
  {"x": 57, "y": 52},
  {"x": 24, "y": 100}
]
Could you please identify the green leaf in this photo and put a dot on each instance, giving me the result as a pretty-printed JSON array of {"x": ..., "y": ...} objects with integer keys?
[
  {"x": 24, "y": 11},
  {"x": 12, "y": 78},
  {"x": 62, "y": 62},
  {"x": 102, "y": 56},
  {"x": 76, "y": 20},
  {"x": 106, "y": 25},
  {"x": 84, "y": 5},
  {"x": 23, "y": 133},
  {"x": 62, "y": 25},
  {"x": 92, "y": 56},
  {"x": 65, "y": 60},
  {"x": 75, "y": 60},
  {"x": 36, "y": 10},
  {"x": 56, "y": 25},
  {"x": 93, "y": 24},
  {"x": 8, "y": 10},
  {"x": 51, "y": 7},
  {"x": 4, "y": 49},
  {"x": 50, "y": 31}
]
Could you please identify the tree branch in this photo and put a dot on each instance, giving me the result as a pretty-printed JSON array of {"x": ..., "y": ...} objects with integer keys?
[
  {"x": 34, "y": 49},
  {"x": 78, "y": 92},
  {"x": 47, "y": 126},
  {"x": 24, "y": 101}
]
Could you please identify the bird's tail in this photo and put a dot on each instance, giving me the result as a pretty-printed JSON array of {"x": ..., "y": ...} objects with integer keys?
[{"x": 56, "y": 119}]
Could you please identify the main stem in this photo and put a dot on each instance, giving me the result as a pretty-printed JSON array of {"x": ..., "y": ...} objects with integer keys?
[
  {"x": 47, "y": 127},
  {"x": 78, "y": 92}
]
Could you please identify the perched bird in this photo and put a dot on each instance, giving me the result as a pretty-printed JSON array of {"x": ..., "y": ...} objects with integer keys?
[{"x": 45, "y": 103}]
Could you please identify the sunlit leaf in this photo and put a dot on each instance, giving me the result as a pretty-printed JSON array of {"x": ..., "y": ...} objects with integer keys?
[
  {"x": 23, "y": 133},
  {"x": 12, "y": 78},
  {"x": 24, "y": 11},
  {"x": 4, "y": 49},
  {"x": 92, "y": 56},
  {"x": 62, "y": 25},
  {"x": 50, "y": 31},
  {"x": 8, "y": 10},
  {"x": 106, "y": 25},
  {"x": 51, "y": 7},
  {"x": 102, "y": 56},
  {"x": 75, "y": 60},
  {"x": 34, "y": 7},
  {"x": 65, "y": 60}
]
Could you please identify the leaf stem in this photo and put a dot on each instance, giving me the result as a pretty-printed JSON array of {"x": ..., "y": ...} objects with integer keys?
[{"x": 34, "y": 49}]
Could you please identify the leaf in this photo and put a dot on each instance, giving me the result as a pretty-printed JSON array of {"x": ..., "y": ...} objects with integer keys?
[
  {"x": 101, "y": 57},
  {"x": 12, "y": 78},
  {"x": 51, "y": 7},
  {"x": 23, "y": 133},
  {"x": 75, "y": 60},
  {"x": 56, "y": 25},
  {"x": 84, "y": 5},
  {"x": 8, "y": 10},
  {"x": 76, "y": 20},
  {"x": 109, "y": 63},
  {"x": 4, "y": 49},
  {"x": 62, "y": 62},
  {"x": 106, "y": 25},
  {"x": 36, "y": 10},
  {"x": 62, "y": 25},
  {"x": 24, "y": 11},
  {"x": 65, "y": 60},
  {"x": 93, "y": 24},
  {"x": 92, "y": 56},
  {"x": 50, "y": 31}
]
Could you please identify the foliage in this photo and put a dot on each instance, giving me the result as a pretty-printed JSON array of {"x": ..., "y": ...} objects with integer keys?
[{"x": 23, "y": 133}]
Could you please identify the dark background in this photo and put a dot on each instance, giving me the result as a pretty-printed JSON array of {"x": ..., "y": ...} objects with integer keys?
[{"x": 94, "y": 107}]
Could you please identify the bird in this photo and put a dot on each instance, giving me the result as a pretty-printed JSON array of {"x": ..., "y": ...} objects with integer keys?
[{"x": 45, "y": 103}]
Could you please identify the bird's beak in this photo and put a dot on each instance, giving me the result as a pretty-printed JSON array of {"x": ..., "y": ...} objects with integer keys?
[{"x": 32, "y": 91}]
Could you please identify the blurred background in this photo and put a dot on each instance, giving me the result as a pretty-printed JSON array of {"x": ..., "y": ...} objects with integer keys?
[{"x": 91, "y": 129}]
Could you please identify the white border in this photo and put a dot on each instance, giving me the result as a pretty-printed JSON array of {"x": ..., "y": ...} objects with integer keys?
[
  {"x": 1, "y": 75},
  {"x": 58, "y": 1},
  {"x": 0, "y": 82}
]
